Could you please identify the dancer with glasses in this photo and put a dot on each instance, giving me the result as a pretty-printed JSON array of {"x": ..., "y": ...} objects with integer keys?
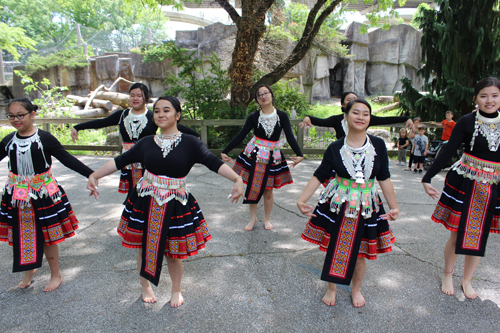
[
  {"x": 35, "y": 214},
  {"x": 261, "y": 164}
]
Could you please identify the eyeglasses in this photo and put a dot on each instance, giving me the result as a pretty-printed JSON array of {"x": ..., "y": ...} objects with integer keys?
[
  {"x": 260, "y": 96},
  {"x": 19, "y": 116}
]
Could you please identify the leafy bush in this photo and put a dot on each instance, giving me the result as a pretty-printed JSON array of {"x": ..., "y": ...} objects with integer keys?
[
  {"x": 51, "y": 101},
  {"x": 71, "y": 58}
]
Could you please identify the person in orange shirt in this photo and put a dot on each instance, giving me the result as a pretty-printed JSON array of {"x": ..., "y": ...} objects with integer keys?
[{"x": 447, "y": 126}]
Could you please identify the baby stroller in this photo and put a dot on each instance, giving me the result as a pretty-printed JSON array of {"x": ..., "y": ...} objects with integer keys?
[{"x": 433, "y": 151}]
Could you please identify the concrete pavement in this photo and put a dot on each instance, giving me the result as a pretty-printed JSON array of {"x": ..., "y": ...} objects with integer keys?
[{"x": 258, "y": 281}]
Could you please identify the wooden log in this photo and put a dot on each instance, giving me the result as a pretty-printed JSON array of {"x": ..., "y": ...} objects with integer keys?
[
  {"x": 96, "y": 103},
  {"x": 116, "y": 98},
  {"x": 387, "y": 108},
  {"x": 92, "y": 113},
  {"x": 383, "y": 99}
]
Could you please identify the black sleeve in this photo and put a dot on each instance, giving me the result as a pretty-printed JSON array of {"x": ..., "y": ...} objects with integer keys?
[
  {"x": 447, "y": 152},
  {"x": 130, "y": 156},
  {"x": 3, "y": 145},
  {"x": 382, "y": 157},
  {"x": 377, "y": 121},
  {"x": 55, "y": 149},
  {"x": 290, "y": 138},
  {"x": 324, "y": 171},
  {"x": 111, "y": 120},
  {"x": 205, "y": 157},
  {"x": 327, "y": 122},
  {"x": 187, "y": 130},
  {"x": 241, "y": 135}
]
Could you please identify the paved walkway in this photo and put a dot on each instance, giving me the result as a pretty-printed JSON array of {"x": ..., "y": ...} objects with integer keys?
[{"x": 248, "y": 281}]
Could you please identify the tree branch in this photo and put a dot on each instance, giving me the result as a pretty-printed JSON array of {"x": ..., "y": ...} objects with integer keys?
[
  {"x": 230, "y": 10},
  {"x": 310, "y": 31}
]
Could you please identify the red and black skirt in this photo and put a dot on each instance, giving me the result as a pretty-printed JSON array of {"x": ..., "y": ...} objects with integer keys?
[
  {"x": 471, "y": 208},
  {"x": 172, "y": 229},
  {"x": 29, "y": 228},
  {"x": 128, "y": 180},
  {"x": 345, "y": 239},
  {"x": 261, "y": 176}
]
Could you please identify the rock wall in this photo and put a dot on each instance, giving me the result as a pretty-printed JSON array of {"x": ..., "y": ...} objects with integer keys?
[{"x": 377, "y": 61}]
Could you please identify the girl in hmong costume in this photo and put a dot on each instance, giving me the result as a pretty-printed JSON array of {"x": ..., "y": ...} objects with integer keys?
[
  {"x": 134, "y": 124},
  {"x": 161, "y": 217},
  {"x": 349, "y": 223},
  {"x": 470, "y": 204},
  {"x": 35, "y": 215},
  {"x": 261, "y": 164}
]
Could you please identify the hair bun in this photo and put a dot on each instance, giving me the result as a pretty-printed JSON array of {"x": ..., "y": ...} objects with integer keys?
[{"x": 35, "y": 107}]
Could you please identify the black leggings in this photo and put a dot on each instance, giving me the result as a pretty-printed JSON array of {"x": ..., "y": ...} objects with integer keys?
[{"x": 410, "y": 161}]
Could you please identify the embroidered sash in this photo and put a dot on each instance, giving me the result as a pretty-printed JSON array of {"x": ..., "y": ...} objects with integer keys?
[
  {"x": 27, "y": 241},
  {"x": 358, "y": 197},
  {"x": 163, "y": 188},
  {"x": 257, "y": 180},
  {"x": 25, "y": 188},
  {"x": 477, "y": 169},
  {"x": 475, "y": 223},
  {"x": 343, "y": 249},
  {"x": 125, "y": 147},
  {"x": 265, "y": 149}
]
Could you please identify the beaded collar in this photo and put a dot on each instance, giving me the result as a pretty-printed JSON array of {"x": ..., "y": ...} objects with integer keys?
[
  {"x": 268, "y": 122},
  {"x": 489, "y": 128}
]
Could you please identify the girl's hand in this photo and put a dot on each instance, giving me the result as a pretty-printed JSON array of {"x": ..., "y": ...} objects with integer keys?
[
  {"x": 74, "y": 134},
  {"x": 226, "y": 158},
  {"x": 306, "y": 122},
  {"x": 409, "y": 123},
  {"x": 294, "y": 161},
  {"x": 391, "y": 215},
  {"x": 92, "y": 186},
  {"x": 431, "y": 191},
  {"x": 305, "y": 209},
  {"x": 237, "y": 191}
]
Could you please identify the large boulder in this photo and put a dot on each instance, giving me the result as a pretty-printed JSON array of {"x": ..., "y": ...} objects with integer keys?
[{"x": 393, "y": 54}]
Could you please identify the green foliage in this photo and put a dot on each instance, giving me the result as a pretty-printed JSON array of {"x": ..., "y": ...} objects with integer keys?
[
  {"x": 382, "y": 14},
  {"x": 289, "y": 23},
  {"x": 51, "y": 101},
  {"x": 417, "y": 17},
  {"x": 459, "y": 47},
  {"x": 12, "y": 37},
  {"x": 71, "y": 58}
]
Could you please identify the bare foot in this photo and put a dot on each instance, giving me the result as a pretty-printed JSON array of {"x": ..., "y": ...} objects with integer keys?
[
  {"x": 329, "y": 298},
  {"x": 469, "y": 292},
  {"x": 148, "y": 296},
  {"x": 268, "y": 225},
  {"x": 176, "y": 300},
  {"x": 54, "y": 283},
  {"x": 357, "y": 299},
  {"x": 250, "y": 225},
  {"x": 447, "y": 283},
  {"x": 26, "y": 282}
]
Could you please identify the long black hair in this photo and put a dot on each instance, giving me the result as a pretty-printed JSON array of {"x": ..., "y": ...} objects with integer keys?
[
  {"x": 486, "y": 82},
  {"x": 174, "y": 101},
  {"x": 143, "y": 87},
  {"x": 257, "y": 92},
  {"x": 25, "y": 103},
  {"x": 342, "y": 98},
  {"x": 357, "y": 100}
]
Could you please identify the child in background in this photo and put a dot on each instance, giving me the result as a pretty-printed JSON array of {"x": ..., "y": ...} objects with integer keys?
[
  {"x": 403, "y": 143},
  {"x": 419, "y": 149},
  {"x": 448, "y": 124},
  {"x": 412, "y": 131}
]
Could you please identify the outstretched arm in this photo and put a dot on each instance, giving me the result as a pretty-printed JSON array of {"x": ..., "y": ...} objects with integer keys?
[
  {"x": 103, "y": 171},
  {"x": 228, "y": 173},
  {"x": 390, "y": 197},
  {"x": 306, "y": 195}
]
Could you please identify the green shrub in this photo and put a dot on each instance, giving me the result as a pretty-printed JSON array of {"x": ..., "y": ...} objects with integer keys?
[{"x": 71, "y": 58}]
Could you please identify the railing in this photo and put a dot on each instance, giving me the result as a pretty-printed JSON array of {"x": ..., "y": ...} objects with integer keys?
[{"x": 204, "y": 124}]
